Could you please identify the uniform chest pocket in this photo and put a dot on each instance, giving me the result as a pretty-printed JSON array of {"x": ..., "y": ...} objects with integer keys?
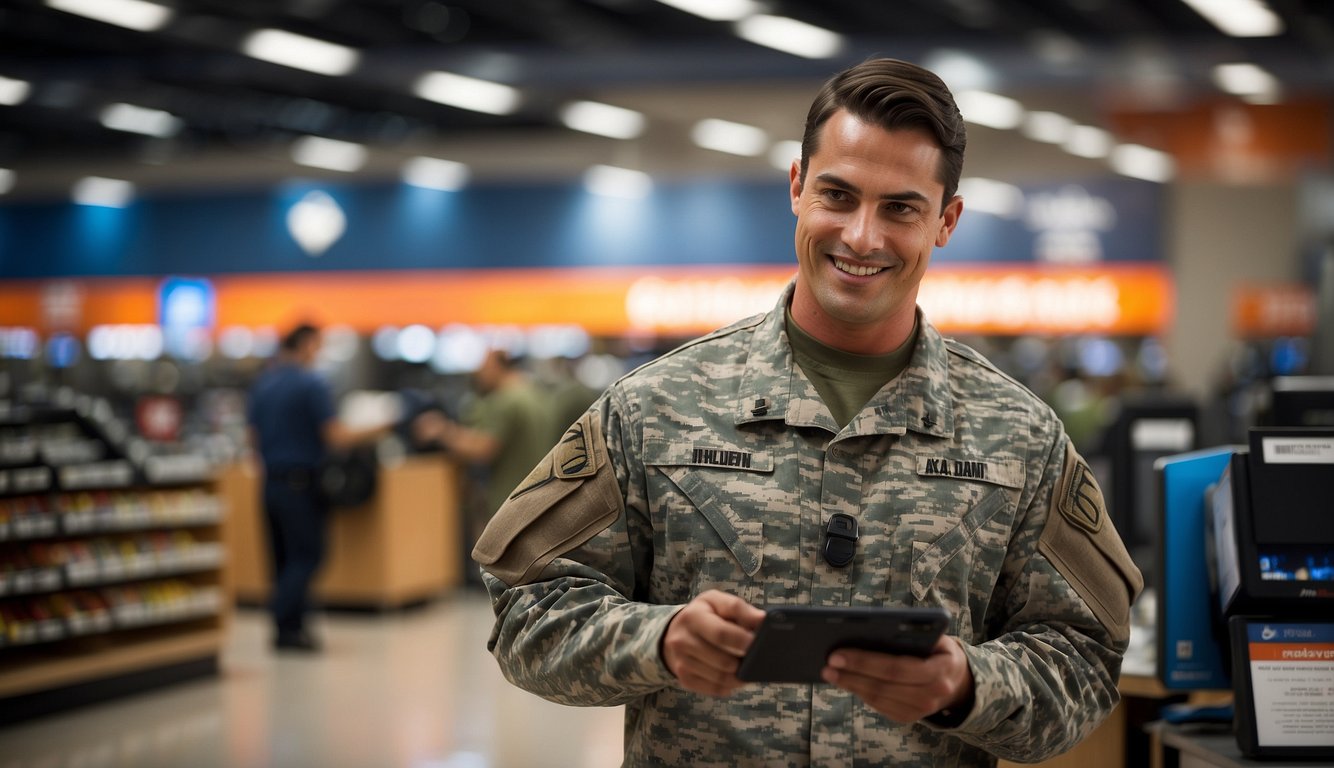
[
  {"x": 958, "y": 567},
  {"x": 974, "y": 531},
  {"x": 713, "y": 495}
]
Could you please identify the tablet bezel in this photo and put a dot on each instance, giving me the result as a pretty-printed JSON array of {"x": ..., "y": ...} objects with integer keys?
[{"x": 793, "y": 642}]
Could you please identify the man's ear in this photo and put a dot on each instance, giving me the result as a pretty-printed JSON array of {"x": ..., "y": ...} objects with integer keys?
[
  {"x": 949, "y": 219},
  {"x": 794, "y": 184}
]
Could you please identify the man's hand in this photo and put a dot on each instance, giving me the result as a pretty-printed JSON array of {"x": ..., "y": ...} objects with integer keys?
[
  {"x": 430, "y": 427},
  {"x": 706, "y": 639},
  {"x": 904, "y": 688}
]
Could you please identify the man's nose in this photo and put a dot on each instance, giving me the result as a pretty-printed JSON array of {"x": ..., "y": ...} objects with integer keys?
[{"x": 861, "y": 232}]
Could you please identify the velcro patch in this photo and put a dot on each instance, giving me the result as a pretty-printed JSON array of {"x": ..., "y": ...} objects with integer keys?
[{"x": 1008, "y": 472}]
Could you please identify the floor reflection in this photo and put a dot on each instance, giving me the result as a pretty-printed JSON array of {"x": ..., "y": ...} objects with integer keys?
[{"x": 414, "y": 688}]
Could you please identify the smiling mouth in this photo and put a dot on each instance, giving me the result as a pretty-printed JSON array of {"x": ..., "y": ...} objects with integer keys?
[{"x": 853, "y": 269}]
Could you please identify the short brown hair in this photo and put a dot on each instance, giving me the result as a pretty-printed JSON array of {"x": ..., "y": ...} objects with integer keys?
[
  {"x": 892, "y": 94},
  {"x": 299, "y": 336}
]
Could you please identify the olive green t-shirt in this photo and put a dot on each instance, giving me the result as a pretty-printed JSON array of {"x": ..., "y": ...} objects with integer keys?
[
  {"x": 519, "y": 417},
  {"x": 846, "y": 381}
]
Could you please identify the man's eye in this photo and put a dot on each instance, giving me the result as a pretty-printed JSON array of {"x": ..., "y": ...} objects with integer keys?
[
  {"x": 836, "y": 195},
  {"x": 900, "y": 209}
]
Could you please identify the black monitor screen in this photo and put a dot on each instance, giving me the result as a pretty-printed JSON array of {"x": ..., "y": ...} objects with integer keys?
[
  {"x": 1296, "y": 563},
  {"x": 1146, "y": 429},
  {"x": 1285, "y": 538},
  {"x": 1302, "y": 401}
]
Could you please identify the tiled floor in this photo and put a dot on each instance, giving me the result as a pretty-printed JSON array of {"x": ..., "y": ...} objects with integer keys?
[{"x": 414, "y": 688}]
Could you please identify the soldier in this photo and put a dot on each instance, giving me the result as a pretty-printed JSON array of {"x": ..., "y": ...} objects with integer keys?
[{"x": 635, "y": 562}]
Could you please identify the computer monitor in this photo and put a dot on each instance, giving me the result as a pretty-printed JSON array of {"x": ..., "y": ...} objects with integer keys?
[
  {"x": 1301, "y": 401},
  {"x": 1190, "y": 644},
  {"x": 1147, "y": 427},
  {"x": 1272, "y": 527}
]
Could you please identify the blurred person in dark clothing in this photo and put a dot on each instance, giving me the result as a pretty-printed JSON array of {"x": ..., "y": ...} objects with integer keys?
[{"x": 294, "y": 426}]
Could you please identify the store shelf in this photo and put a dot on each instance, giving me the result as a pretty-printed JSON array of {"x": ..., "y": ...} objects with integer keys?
[
  {"x": 109, "y": 610},
  {"x": 109, "y": 572},
  {"x": 129, "y": 656}
]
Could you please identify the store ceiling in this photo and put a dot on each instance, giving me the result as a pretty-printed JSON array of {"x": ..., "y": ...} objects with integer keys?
[{"x": 239, "y": 116}]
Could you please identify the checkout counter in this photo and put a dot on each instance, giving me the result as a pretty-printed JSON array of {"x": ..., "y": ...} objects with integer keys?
[
  {"x": 1212, "y": 747},
  {"x": 403, "y": 546}
]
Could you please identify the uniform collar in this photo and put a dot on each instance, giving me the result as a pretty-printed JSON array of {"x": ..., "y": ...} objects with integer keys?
[
  {"x": 919, "y": 399},
  {"x": 773, "y": 386}
]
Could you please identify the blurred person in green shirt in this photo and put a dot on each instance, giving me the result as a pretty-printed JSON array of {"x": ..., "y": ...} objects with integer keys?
[{"x": 505, "y": 432}]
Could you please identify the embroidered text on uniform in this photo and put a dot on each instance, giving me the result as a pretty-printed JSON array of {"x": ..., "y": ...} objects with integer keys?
[
  {"x": 956, "y": 468},
  {"x": 719, "y": 458}
]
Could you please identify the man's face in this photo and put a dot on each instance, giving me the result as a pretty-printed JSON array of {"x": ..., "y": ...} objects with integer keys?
[
  {"x": 868, "y": 216},
  {"x": 309, "y": 351},
  {"x": 487, "y": 376}
]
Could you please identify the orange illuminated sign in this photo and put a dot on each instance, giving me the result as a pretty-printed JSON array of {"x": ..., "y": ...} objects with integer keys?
[
  {"x": 1128, "y": 300},
  {"x": 1267, "y": 311}
]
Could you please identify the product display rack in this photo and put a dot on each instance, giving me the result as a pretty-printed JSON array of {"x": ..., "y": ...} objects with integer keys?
[{"x": 111, "y": 561}]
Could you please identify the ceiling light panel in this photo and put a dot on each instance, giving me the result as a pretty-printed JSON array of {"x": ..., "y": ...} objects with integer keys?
[
  {"x": 467, "y": 93},
  {"x": 990, "y": 109},
  {"x": 131, "y": 14},
  {"x": 6, "y": 180},
  {"x": 782, "y": 154},
  {"x": 134, "y": 119},
  {"x": 790, "y": 36},
  {"x": 300, "y": 52},
  {"x": 1245, "y": 79},
  {"x": 1047, "y": 127},
  {"x": 1142, "y": 163},
  {"x": 1088, "y": 141},
  {"x": 716, "y": 10},
  {"x": 991, "y": 196},
  {"x": 732, "y": 138},
  {"x": 13, "y": 91},
  {"x": 435, "y": 173},
  {"x": 603, "y": 119},
  {"x": 611, "y": 181},
  {"x": 1239, "y": 18},
  {"x": 104, "y": 192},
  {"x": 330, "y": 154}
]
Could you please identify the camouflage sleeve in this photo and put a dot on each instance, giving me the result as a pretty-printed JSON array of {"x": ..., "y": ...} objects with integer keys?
[
  {"x": 565, "y": 559},
  {"x": 1049, "y": 676}
]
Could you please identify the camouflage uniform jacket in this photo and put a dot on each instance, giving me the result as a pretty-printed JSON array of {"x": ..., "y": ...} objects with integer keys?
[{"x": 716, "y": 467}]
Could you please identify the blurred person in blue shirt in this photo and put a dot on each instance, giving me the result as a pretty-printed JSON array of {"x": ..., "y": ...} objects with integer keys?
[{"x": 294, "y": 426}]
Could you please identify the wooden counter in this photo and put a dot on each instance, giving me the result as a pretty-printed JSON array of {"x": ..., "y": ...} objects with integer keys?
[{"x": 403, "y": 546}]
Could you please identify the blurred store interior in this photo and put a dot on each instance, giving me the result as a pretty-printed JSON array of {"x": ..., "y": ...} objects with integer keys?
[{"x": 1148, "y": 232}]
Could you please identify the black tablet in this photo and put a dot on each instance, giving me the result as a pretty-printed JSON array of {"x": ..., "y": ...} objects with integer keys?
[{"x": 794, "y": 642}]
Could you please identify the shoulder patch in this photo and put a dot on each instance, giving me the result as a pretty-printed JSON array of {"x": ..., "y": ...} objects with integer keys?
[
  {"x": 575, "y": 456},
  {"x": 570, "y": 497},
  {"x": 1085, "y": 547}
]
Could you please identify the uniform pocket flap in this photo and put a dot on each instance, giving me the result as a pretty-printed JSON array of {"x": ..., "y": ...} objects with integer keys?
[
  {"x": 743, "y": 538},
  {"x": 930, "y": 557}
]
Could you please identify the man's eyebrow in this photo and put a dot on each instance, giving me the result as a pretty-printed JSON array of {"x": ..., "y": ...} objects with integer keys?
[{"x": 838, "y": 181}]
